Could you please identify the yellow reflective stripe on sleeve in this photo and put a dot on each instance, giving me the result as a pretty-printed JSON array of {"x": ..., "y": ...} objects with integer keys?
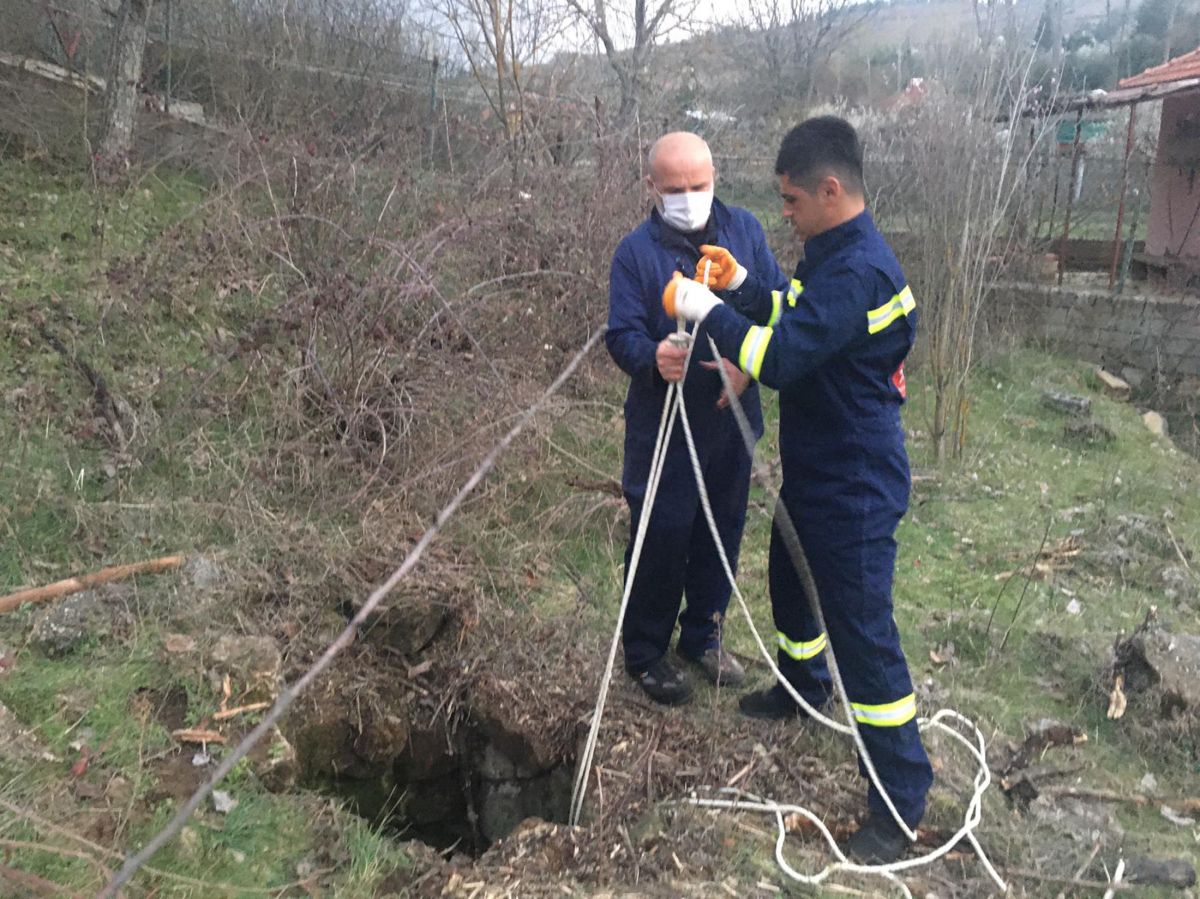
[
  {"x": 890, "y": 714},
  {"x": 901, "y": 304},
  {"x": 776, "y": 308},
  {"x": 754, "y": 348},
  {"x": 801, "y": 650},
  {"x": 794, "y": 292}
]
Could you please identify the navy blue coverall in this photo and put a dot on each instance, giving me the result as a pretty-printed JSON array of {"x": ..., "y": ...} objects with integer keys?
[
  {"x": 678, "y": 556},
  {"x": 833, "y": 343}
]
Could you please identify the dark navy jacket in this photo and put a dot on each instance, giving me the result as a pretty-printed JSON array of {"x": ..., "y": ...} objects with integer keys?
[
  {"x": 832, "y": 342},
  {"x": 644, "y": 262}
]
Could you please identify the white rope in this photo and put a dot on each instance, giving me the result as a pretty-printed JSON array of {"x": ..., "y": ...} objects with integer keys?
[{"x": 673, "y": 406}]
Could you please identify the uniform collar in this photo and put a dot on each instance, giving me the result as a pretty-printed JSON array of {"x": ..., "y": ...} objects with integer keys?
[
  {"x": 824, "y": 245},
  {"x": 668, "y": 236}
]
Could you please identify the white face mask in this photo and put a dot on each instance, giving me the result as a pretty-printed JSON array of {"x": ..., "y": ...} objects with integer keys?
[{"x": 685, "y": 212}]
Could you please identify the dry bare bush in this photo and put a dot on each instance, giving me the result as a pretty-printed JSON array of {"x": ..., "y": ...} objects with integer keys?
[
  {"x": 408, "y": 324},
  {"x": 953, "y": 191}
]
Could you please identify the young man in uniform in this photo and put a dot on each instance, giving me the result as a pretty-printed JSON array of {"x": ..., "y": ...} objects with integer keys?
[
  {"x": 678, "y": 557},
  {"x": 833, "y": 343}
]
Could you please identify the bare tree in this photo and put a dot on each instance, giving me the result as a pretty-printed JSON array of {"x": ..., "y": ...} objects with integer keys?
[
  {"x": 629, "y": 32},
  {"x": 798, "y": 37},
  {"x": 124, "y": 74},
  {"x": 954, "y": 180},
  {"x": 987, "y": 19},
  {"x": 502, "y": 41}
]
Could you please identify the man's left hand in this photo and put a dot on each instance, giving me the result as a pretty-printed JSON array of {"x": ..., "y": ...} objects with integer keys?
[{"x": 738, "y": 380}]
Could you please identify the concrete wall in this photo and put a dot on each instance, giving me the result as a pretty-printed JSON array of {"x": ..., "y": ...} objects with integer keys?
[
  {"x": 1148, "y": 333},
  {"x": 1174, "y": 228}
]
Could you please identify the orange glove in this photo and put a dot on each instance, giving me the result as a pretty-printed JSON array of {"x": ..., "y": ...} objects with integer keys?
[
  {"x": 724, "y": 273},
  {"x": 687, "y": 299}
]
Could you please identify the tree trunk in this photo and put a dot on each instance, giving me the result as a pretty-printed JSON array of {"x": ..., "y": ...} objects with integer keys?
[
  {"x": 124, "y": 73},
  {"x": 627, "y": 111}
]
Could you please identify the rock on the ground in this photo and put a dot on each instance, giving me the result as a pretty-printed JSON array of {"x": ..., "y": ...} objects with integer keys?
[
  {"x": 71, "y": 620},
  {"x": 409, "y": 625},
  {"x": 1086, "y": 822},
  {"x": 1115, "y": 387},
  {"x": 1066, "y": 402},
  {"x": 1134, "y": 376},
  {"x": 1176, "y": 659},
  {"x": 1178, "y": 581},
  {"x": 204, "y": 573},
  {"x": 1156, "y": 424},
  {"x": 253, "y": 664},
  {"x": 1171, "y": 872}
]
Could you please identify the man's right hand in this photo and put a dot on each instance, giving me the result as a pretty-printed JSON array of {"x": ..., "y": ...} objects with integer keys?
[
  {"x": 671, "y": 359},
  {"x": 724, "y": 272}
]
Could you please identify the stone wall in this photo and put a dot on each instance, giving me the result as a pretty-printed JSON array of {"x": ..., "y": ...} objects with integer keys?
[{"x": 1153, "y": 334}]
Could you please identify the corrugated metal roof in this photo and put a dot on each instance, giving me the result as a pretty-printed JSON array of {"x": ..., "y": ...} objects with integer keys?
[{"x": 1181, "y": 68}]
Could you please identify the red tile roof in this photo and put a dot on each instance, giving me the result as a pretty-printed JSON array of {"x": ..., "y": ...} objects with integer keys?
[{"x": 1181, "y": 68}]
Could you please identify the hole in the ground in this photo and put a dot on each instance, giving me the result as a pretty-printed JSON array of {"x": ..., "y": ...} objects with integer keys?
[{"x": 459, "y": 792}]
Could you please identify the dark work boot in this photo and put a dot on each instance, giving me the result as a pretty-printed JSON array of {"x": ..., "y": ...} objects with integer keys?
[
  {"x": 879, "y": 841},
  {"x": 773, "y": 704},
  {"x": 664, "y": 682}
]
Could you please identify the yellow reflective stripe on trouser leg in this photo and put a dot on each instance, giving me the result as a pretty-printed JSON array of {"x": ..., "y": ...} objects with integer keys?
[
  {"x": 801, "y": 650},
  {"x": 890, "y": 714},
  {"x": 754, "y": 348},
  {"x": 901, "y": 304},
  {"x": 776, "y": 308},
  {"x": 794, "y": 291}
]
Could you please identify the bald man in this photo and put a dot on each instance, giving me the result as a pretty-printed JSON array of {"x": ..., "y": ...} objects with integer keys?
[{"x": 678, "y": 558}]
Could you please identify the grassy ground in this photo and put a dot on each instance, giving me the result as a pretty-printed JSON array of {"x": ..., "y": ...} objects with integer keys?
[{"x": 545, "y": 552}]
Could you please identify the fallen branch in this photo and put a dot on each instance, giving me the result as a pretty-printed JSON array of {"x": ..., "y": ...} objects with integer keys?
[
  {"x": 240, "y": 710},
  {"x": 1191, "y": 804},
  {"x": 77, "y": 584},
  {"x": 34, "y": 884}
]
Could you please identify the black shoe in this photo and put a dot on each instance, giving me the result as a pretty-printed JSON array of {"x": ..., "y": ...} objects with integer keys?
[
  {"x": 879, "y": 841},
  {"x": 664, "y": 682},
  {"x": 773, "y": 704}
]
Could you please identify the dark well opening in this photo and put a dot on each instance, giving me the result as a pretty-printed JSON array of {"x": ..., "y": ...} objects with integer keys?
[{"x": 461, "y": 791}]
